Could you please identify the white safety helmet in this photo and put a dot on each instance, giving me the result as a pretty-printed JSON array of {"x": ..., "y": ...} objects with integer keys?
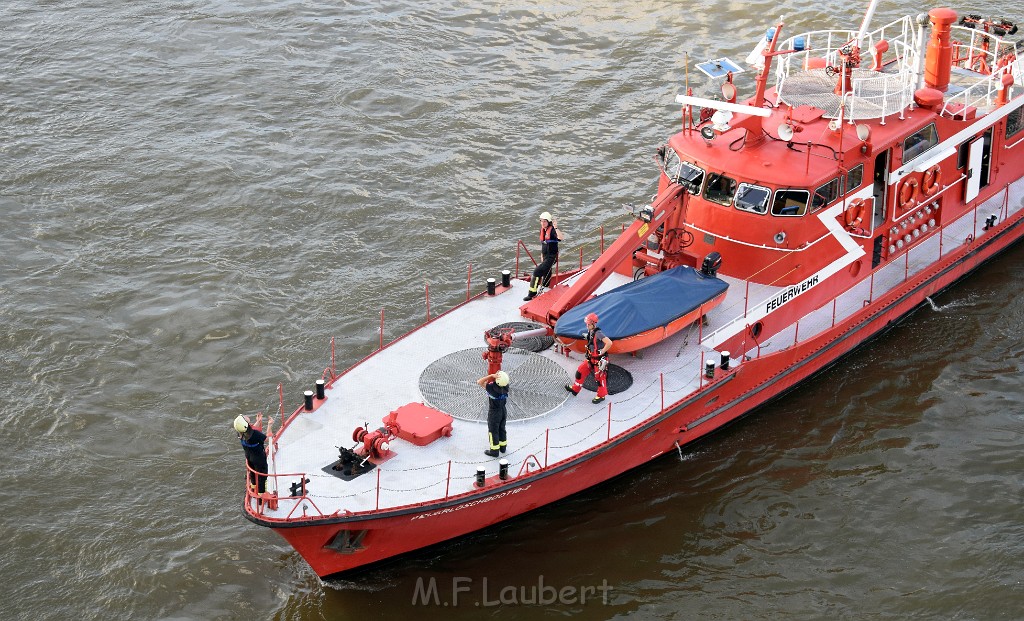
[
  {"x": 545, "y": 216},
  {"x": 241, "y": 424},
  {"x": 501, "y": 378}
]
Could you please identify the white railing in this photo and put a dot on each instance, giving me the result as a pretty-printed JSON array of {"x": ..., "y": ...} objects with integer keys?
[
  {"x": 881, "y": 94},
  {"x": 986, "y": 58}
]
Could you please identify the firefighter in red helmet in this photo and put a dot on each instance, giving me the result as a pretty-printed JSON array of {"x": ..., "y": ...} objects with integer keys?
[{"x": 596, "y": 361}]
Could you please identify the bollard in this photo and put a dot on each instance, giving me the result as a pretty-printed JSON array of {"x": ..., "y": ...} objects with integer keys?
[
  {"x": 725, "y": 361},
  {"x": 308, "y": 400},
  {"x": 481, "y": 474},
  {"x": 506, "y": 278},
  {"x": 503, "y": 469},
  {"x": 490, "y": 286},
  {"x": 709, "y": 369},
  {"x": 320, "y": 389}
]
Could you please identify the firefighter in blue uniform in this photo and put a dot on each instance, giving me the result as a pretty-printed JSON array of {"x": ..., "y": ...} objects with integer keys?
[
  {"x": 549, "y": 238},
  {"x": 252, "y": 440},
  {"x": 496, "y": 385}
]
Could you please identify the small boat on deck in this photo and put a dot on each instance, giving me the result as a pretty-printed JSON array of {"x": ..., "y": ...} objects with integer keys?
[
  {"x": 646, "y": 311},
  {"x": 883, "y": 165}
]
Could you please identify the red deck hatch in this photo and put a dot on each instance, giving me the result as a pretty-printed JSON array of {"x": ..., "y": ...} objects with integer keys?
[{"x": 420, "y": 424}]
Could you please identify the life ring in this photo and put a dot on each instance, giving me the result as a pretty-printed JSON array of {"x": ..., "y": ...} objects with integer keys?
[
  {"x": 931, "y": 180},
  {"x": 854, "y": 215},
  {"x": 907, "y": 191}
]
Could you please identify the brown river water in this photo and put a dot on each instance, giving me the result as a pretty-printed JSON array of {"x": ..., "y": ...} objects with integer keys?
[{"x": 196, "y": 196}]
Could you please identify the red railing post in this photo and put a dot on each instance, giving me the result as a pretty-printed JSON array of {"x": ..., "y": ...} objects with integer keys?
[
  {"x": 609, "y": 420},
  {"x": 547, "y": 435},
  {"x": 448, "y": 483},
  {"x": 700, "y": 372},
  {"x": 746, "y": 300},
  {"x": 334, "y": 372},
  {"x": 700, "y": 324},
  {"x": 602, "y": 234},
  {"x": 382, "y": 328},
  {"x": 662, "y": 375},
  {"x": 378, "y": 488},
  {"x": 469, "y": 279},
  {"x": 280, "y": 397}
]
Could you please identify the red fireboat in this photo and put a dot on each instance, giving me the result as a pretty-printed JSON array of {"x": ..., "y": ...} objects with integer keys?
[{"x": 788, "y": 228}]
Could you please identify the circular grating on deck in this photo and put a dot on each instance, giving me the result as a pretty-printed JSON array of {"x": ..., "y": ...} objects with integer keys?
[
  {"x": 619, "y": 380},
  {"x": 536, "y": 386},
  {"x": 533, "y": 343}
]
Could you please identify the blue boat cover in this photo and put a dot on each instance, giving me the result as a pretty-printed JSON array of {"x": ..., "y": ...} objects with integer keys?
[{"x": 643, "y": 304}]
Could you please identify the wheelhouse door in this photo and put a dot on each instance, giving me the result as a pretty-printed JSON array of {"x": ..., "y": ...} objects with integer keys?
[{"x": 975, "y": 171}]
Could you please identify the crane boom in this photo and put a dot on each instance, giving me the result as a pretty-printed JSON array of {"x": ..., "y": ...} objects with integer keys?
[{"x": 664, "y": 205}]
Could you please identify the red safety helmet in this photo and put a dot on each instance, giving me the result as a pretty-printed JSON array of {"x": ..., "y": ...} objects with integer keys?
[{"x": 591, "y": 318}]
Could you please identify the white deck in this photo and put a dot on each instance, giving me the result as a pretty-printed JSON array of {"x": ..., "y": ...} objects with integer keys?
[{"x": 390, "y": 379}]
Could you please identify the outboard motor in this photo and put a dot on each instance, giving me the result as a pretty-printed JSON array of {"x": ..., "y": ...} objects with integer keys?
[{"x": 712, "y": 263}]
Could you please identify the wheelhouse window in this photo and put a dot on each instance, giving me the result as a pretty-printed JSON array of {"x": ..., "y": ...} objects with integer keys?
[
  {"x": 1015, "y": 122},
  {"x": 753, "y": 198},
  {"x": 720, "y": 189},
  {"x": 790, "y": 202},
  {"x": 854, "y": 178},
  {"x": 826, "y": 194},
  {"x": 919, "y": 142},
  {"x": 669, "y": 162},
  {"x": 691, "y": 177},
  {"x": 678, "y": 171}
]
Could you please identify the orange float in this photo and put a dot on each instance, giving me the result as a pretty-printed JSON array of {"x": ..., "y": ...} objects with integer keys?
[
  {"x": 854, "y": 214},
  {"x": 931, "y": 180},
  {"x": 907, "y": 191}
]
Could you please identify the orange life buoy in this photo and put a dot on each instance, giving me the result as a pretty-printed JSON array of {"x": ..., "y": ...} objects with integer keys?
[
  {"x": 854, "y": 215},
  {"x": 907, "y": 191},
  {"x": 931, "y": 180}
]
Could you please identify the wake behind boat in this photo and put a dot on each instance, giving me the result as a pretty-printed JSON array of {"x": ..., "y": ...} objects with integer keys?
[{"x": 884, "y": 165}]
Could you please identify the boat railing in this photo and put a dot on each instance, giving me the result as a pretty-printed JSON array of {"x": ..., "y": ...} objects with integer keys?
[
  {"x": 980, "y": 52},
  {"x": 983, "y": 59},
  {"x": 524, "y": 256},
  {"x": 299, "y": 496},
  {"x": 887, "y": 92},
  {"x": 956, "y": 235}
]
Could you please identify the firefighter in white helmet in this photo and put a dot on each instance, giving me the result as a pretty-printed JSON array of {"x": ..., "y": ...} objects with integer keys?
[
  {"x": 549, "y": 238},
  {"x": 496, "y": 385},
  {"x": 252, "y": 440}
]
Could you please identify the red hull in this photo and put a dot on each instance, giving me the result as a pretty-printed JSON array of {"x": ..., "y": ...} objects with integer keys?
[{"x": 328, "y": 551}]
